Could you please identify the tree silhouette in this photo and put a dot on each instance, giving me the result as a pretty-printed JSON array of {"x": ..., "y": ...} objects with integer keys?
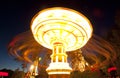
[
  {"x": 18, "y": 74},
  {"x": 114, "y": 38}
]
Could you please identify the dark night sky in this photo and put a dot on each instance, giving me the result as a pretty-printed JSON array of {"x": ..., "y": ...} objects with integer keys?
[{"x": 15, "y": 18}]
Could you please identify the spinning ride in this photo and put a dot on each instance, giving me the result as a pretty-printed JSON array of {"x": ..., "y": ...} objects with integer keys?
[
  {"x": 60, "y": 29},
  {"x": 97, "y": 52}
]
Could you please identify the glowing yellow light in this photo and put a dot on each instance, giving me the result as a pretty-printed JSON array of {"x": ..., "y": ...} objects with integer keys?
[
  {"x": 61, "y": 29},
  {"x": 33, "y": 70},
  {"x": 63, "y": 25},
  {"x": 62, "y": 67},
  {"x": 31, "y": 67}
]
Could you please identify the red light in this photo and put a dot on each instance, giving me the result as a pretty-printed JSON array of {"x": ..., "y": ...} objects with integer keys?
[
  {"x": 112, "y": 69},
  {"x": 3, "y": 74}
]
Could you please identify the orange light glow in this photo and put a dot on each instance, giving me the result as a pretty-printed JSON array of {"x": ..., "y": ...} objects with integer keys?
[
  {"x": 61, "y": 29},
  {"x": 62, "y": 25},
  {"x": 31, "y": 67}
]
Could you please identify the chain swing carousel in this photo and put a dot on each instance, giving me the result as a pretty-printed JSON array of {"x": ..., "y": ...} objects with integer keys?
[{"x": 62, "y": 34}]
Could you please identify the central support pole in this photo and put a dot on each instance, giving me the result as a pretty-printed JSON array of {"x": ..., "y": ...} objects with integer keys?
[{"x": 59, "y": 67}]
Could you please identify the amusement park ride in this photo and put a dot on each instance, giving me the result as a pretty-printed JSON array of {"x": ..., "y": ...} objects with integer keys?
[
  {"x": 65, "y": 32},
  {"x": 60, "y": 29}
]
